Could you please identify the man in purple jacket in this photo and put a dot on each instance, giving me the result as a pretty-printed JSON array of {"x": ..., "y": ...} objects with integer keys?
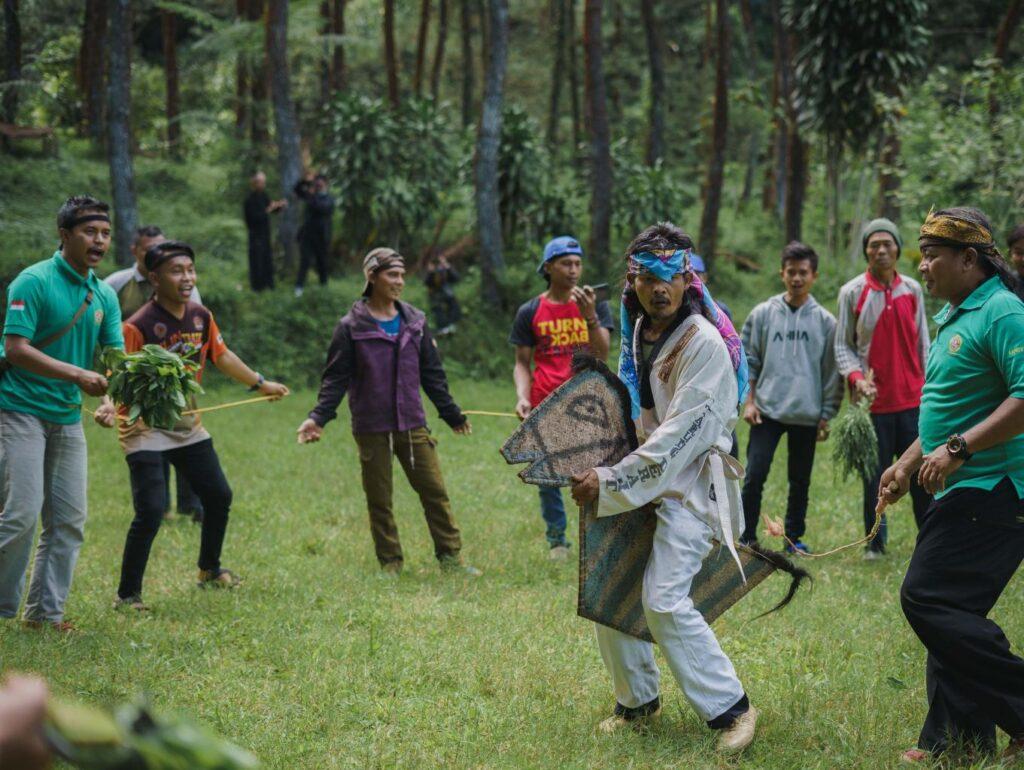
[{"x": 381, "y": 354}]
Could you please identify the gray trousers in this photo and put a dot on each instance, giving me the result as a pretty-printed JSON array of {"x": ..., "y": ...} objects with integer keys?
[{"x": 42, "y": 476}]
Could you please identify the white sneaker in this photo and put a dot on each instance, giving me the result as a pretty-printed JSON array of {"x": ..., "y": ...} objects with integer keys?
[
  {"x": 559, "y": 553},
  {"x": 739, "y": 734},
  {"x": 872, "y": 555}
]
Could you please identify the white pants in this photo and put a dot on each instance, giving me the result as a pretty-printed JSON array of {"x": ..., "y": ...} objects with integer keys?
[{"x": 704, "y": 673}]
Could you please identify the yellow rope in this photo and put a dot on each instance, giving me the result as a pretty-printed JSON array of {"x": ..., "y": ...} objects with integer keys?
[
  {"x": 879, "y": 513},
  {"x": 489, "y": 414},
  {"x": 87, "y": 410}
]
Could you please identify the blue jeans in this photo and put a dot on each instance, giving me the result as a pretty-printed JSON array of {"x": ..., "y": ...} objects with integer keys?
[{"x": 552, "y": 509}]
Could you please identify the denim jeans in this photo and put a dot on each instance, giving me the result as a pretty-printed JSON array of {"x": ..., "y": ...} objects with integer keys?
[
  {"x": 43, "y": 476},
  {"x": 552, "y": 509}
]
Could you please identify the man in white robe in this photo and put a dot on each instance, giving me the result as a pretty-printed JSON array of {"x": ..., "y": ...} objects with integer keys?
[{"x": 685, "y": 377}]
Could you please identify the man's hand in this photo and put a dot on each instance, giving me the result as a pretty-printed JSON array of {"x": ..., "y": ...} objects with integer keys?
[
  {"x": 92, "y": 383},
  {"x": 585, "y": 487},
  {"x": 936, "y": 468},
  {"x": 276, "y": 389},
  {"x": 823, "y": 430},
  {"x": 106, "y": 414},
  {"x": 864, "y": 389},
  {"x": 586, "y": 300},
  {"x": 22, "y": 711},
  {"x": 523, "y": 408},
  {"x": 751, "y": 414},
  {"x": 309, "y": 432},
  {"x": 463, "y": 430},
  {"x": 894, "y": 484}
]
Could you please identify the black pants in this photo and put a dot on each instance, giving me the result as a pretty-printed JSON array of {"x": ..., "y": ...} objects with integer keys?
[
  {"x": 187, "y": 499},
  {"x": 764, "y": 438},
  {"x": 199, "y": 464},
  {"x": 312, "y": 250},
  {"x": 896, "y": 432},
  {"x": 261, "y": 262},
  {"x": 969, "y": 546}
]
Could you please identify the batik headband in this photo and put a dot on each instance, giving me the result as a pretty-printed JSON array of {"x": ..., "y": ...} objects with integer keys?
[
  {"x": 663, "y": 263},
  {"x": 955, "y": 230}
]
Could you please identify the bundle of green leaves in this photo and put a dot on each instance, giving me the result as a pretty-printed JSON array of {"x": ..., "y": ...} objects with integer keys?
[
  {"x": 136, "y": 739},
  {"x": 856, "y": 444},
  {"x": 153, "y": 384}
]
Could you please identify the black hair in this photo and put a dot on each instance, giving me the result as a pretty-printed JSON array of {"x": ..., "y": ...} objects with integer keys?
[
  {"x": 663, "y": 235},
  {"x": 166, "y": 250},
  {"x": 76, "y": 205},
  {"x": 1016, "y": 234},
  {"x": 321, "y": 178},
  {"x": 795, "y": 251},
  {"x": 146, "y": 231},
  {"x": 990, "y": 260}
]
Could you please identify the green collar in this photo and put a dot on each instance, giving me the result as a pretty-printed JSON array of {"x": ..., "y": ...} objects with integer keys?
[
  {"x": 975, "y": 300},
  {"x": 70, "y": 273}
]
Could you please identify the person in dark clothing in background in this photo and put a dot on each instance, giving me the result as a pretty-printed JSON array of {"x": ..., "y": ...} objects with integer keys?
[
  {"x": 1015, "y": 244},
  {"x": 440, "y": 279},
  {"x": 258, "y": 207},
  {"x": 315, "y": 233}
]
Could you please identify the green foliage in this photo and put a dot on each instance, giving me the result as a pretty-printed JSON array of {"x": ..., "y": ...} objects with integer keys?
[
  {"x": 646, "y": 194},
  {"x": 392, "y": 169},
  {"x": 851, "y": 53},
  {"x": 856, "y": 445},
  {"x": 154, "y": 384}
]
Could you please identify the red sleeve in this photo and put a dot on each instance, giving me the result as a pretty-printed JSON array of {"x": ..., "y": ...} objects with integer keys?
[
  {"x": 217, "y": 346},
  {"x": 133, "y": 340}
]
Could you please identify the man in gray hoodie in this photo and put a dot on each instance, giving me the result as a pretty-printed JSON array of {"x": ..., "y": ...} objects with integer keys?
[{"x": 795, "y": 388}]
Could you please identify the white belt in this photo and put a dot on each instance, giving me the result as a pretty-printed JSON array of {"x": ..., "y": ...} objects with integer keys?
[{"x": 724, "y": 466}]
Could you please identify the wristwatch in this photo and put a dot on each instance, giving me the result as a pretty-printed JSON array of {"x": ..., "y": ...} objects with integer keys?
[
  {"x": 259, "y": 381},
  {"x": 956, "y": 445}
]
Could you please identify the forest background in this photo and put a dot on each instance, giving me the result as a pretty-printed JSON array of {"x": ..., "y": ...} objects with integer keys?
[{"x": 480, "y": 128}]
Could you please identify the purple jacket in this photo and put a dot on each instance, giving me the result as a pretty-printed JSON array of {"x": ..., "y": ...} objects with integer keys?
[{"x": 383, "y": 374}]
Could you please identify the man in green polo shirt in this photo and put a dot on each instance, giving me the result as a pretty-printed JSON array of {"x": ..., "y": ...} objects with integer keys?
[
  {"x": 970, "y": 456},
  {"x": 47, "y": 364}
]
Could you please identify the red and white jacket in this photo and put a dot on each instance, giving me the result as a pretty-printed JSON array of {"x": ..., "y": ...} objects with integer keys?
[{"x": 884, "y": 329}]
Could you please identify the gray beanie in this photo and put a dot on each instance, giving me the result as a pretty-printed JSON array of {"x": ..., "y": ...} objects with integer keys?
[{"x": 881, "y": 225}]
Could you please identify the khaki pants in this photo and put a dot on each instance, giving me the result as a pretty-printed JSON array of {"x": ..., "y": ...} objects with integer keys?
[{"x": 416, "y": 451}]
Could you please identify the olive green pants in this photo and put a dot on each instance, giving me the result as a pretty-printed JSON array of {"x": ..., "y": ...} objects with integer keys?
[{"x": 417, "y": 453}]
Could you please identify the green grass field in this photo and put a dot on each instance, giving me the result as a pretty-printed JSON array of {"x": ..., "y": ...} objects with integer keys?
[{"x": 319, "y": 662}]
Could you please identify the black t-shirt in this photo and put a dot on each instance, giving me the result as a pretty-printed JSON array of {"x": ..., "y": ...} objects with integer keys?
[{"x": 256, "y": 217}]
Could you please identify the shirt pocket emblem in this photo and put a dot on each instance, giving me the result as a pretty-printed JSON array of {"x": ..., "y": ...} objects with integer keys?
[
  {"x": 97, "y": 317},
  {"x": 955, "y": 343}
]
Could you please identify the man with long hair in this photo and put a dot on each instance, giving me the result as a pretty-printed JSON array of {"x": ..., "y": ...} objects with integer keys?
[
  {"x": 684, "y": 366},
  {"x": 970, "y": 456}
]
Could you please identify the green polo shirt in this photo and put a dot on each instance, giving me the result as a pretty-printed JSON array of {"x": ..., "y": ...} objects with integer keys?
[
  {"x": 41, "y": 301},
  {"x": 976, "y": 363}
]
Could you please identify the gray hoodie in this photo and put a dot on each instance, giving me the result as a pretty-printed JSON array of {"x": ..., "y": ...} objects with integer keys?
[{"x": 792, "y": 361}]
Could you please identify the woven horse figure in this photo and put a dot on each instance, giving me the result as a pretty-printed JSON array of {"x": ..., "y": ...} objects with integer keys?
[{"x": 584, "y": 424}]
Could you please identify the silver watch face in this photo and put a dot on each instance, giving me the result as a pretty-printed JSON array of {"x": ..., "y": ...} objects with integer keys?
[{"x": 956, "y": 445}]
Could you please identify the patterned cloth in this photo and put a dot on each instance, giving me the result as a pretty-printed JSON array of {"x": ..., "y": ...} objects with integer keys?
[{"x": 665, "y": 264}]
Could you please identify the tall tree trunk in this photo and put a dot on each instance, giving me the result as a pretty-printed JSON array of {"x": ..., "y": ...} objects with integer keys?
[
  {"x": 92, "y": 68},
  {"x": 421, "y": 47},
  {"x": 119, "y": 136},
  {"x": 241, "y": 79},
  {"x": 574, "y": 75},
  {"x": 12, "y": 59},
  {"x": 326, "y": 27},
  {"x": 169, "y": 30},
  {"x": 557, "y": 13},
  {"x": 600, "y": 137},
  {"x": 339, "y": 73},
  {"x": 488, "y": 211},
  {"x": 466, "y": 34},
  {"x": 796, "y": 183},
  {"x": 708, "y": 238},
  {"x": 289, "y": 150},
  {"x": 259, "y": 85},
  {"x": 833, "y": 191},
  {"x": 442, "y": 37},
  {"x": 1004, "y": 34},
  {"x": 656, "y": 59},
  {"x": 888, "y": 176},
  {"x": 773, "y": 194},
  {"x": 390, "y": 52}
]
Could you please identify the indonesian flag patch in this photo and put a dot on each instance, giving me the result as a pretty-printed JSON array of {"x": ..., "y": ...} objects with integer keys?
[{"x": 18, "y": 304}]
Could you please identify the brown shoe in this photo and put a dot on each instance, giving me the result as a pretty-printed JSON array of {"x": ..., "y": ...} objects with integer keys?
[
  {"x": 61, "y": 626},
  {"x": 915, "y": 755},
  {"x": 130, "y": 603},
  {"x": 220, "y": 578},
  {"x": 739, "y": 734},
  {"x": 1014, "y": 752},
  {"x": 639, "y": 724}
]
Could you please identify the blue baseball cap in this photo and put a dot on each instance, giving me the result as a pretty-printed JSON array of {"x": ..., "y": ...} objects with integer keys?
[
  {"x": 697, "y": 263},
  {"x": 559, "y": 247}
]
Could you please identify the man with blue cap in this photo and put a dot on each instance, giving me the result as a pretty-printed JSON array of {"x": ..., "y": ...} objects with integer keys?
[{"x": 547, "y": 331}]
